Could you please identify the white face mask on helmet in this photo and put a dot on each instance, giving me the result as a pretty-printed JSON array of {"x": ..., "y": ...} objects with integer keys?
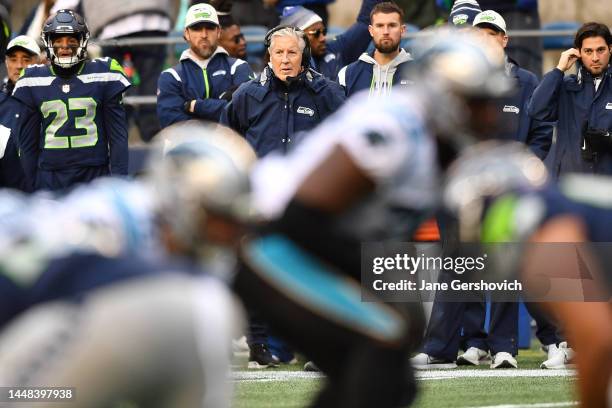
[{"x": 65, "y": 22}]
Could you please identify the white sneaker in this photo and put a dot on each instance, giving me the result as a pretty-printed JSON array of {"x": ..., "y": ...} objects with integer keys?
[
  {"x": 504, "y": 360},
  {"x": 558, "y": 357},
  {"x": 424, "y": 361},
  {"x": 240, "y": 348},
  {"x": 474, "y": 356}
]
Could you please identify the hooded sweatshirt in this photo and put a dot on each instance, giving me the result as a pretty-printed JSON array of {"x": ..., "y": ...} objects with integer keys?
[{"x": 366, "y": 73}]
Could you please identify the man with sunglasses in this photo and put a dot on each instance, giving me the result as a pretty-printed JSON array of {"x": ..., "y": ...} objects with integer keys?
[
  {"x": 232, "y": 39},
  {"x": 329, "y": 57},
  {"x": 581, "y": 103},
  {"x": 203, "y": 81}
]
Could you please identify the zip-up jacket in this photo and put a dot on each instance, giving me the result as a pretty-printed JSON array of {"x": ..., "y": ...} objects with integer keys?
[
  {"x": 515, "y": 121},
  {"x": 348, "y": 46},
  {"x": 192, "y": 80},
  {"x": 269, "y": 113},
  {"x": 574, "y": 103},
  {"x": 366, "y": 73},
  {"x": 11, "y": 171}
]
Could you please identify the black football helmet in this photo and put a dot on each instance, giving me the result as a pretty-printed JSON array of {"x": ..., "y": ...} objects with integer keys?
[{"x": 65, "y": 22}]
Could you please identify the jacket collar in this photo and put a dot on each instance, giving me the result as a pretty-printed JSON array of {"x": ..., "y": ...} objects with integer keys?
[
  {"x": 511, "y": 67},
  {"x": 400, "y": 58},
  {"x": 188, "y": 55},
  {"x": 585, "y": 76},
  {"x": 267, "y": 82}
]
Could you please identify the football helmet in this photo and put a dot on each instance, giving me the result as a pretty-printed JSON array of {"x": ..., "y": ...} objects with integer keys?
[
  {"x": 65, "y": 22},
  {"x": 203, "y": 169},
  {"x": 487, "y": 171},
  {"x": 461, "y": 72}
]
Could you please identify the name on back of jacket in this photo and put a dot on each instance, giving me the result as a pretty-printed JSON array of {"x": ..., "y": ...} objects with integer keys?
[{"x": 305, "y": 111}]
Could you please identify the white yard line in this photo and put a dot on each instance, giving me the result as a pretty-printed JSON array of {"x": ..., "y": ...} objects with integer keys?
[
  {"x": 536, "y": 405},
  {"x": 276, "y": 375}
]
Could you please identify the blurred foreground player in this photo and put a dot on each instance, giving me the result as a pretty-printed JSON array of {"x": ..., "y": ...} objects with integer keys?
[
  {"x": 510, "y": 198},
  {"x": 367, "y": 174},
  {"x": 93, "y": 313}
]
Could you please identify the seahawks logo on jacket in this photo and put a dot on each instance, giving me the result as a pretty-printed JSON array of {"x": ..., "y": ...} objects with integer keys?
[
  {"x": 305, "y": 111},
  {"x": 511, "y": 109}
]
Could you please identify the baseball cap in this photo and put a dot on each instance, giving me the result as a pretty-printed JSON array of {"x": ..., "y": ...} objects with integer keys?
[
  {"x": 201, "y": 13},
  {"x": 25, "y": 43},
  {"x": 491, "y": 18},
  {"x": 463, "y": 12}
]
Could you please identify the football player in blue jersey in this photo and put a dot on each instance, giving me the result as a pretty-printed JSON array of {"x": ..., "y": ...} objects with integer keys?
[
  {"x": 121, "y": 322},
  {"x": 500, "y": 192},
  {"x": 74, "y": 125}
]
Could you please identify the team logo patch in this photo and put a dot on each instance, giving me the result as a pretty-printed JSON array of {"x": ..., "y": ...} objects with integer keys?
[
  {"x": 609, "y": 106},
  {"x": 329, "y": 57},
  {"x": 65, "y": 88},
  {"x": 305, "y": 111},
  {"x": 220, "y": 72},
  {"x": 511, "y": 109},
  {"x": 460, "y": 19}
]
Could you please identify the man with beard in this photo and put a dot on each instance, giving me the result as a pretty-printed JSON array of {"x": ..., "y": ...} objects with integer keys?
[
  {"x": 377, "y": 70},
  {"x": 202, "y": 83},
  {"x": 581, "y": 103}
]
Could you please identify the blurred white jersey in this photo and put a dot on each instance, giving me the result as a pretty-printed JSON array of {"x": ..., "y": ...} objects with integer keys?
[{"x": 388, "y": 140}]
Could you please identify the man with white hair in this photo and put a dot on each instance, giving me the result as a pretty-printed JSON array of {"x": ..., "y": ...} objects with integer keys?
[{"x": 288, "y": 97}]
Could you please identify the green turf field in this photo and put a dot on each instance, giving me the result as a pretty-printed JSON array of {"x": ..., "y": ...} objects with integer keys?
[{"x": 528, "y": 386}]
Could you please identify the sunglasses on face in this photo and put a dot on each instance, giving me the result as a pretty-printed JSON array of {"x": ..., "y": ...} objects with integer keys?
[
  {"x": 237, "y": 38},
  {"x": 317, "y": 33}
]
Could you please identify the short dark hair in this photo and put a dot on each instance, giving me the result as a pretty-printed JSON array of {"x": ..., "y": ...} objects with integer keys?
[
  {"x": 387, "y": 7},
  {"x": 592, "y": 29}
]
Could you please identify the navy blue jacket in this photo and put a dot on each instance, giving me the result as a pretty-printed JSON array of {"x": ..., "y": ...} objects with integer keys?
[
  {"x": 11, "y": 171},
  {"x": 359, "y": 75},
  {"x": 269, "y": 113},
  {"x": 74, "y": 128},
  {"x": 187, "y": 81},
  {"x": 515, "y": 121},
  {"x": 76, "y": 276},
  {"x": 348, "y": 46},
  {"x": 572, "y": 101}
]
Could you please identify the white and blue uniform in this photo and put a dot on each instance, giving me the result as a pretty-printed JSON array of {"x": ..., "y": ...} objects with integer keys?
[{"x": 74, "y": 128}]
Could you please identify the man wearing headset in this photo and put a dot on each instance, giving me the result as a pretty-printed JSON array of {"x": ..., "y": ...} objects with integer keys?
[{"x": 288, "y": 97}]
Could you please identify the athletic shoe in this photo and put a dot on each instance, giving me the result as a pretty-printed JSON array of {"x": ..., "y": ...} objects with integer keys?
[
  {"x": 240, "y": 348},
  {"x": 503, "y": 360},
  {"x": 424, "y": 361},
  {"x": 559, "y": 357},
  {"x": 474, "y": 356},
  {"x": 260, "y": 357},
  {"x": 310, "y": 366}
]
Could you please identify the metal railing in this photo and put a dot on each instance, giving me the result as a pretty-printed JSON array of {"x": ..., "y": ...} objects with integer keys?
[{"x": 175, "y": 40}]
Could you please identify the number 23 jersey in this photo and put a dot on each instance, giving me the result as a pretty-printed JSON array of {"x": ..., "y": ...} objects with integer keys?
[{"x": 75, "y": 121}]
